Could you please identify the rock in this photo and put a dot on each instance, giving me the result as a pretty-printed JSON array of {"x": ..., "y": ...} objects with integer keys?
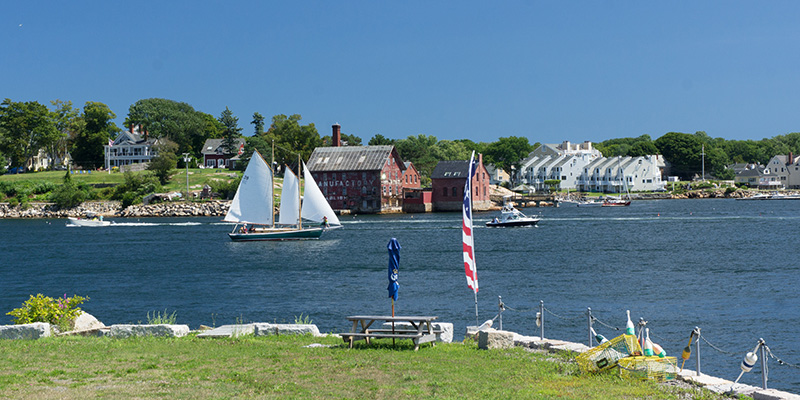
[
  {"x": 494, "y": 339},
  {"x": 229, "y": 331},
  {"x": 265, "y": 329},
  {"x": 126, "y": 331},
  {"x": 86, "y": 321},
  {"x": 35, "y": 330}
]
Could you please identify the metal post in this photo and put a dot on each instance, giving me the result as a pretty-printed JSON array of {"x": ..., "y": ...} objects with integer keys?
[
  {"x": 589, "y": 320},
  {"x": 541, "y": 318},
  {"x": 763, "y": 363},
  {"x": 500, "y": 306},
  {"x": 697, "y": 349},
  {"x": 186, "y": 159}
]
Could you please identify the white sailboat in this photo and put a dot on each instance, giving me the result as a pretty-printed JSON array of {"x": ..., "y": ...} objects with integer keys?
[{"x": 253, "y": 205}]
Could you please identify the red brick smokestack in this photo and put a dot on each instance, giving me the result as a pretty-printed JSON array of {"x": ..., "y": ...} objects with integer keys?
[
  {"x": 791, "y": 158},
  {"x": 336, "y": 137}
]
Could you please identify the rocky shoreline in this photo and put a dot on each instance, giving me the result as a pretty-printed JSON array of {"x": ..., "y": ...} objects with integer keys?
[
  {"x": 114, "y": 209},
  {"x": 218, "y": 208}
]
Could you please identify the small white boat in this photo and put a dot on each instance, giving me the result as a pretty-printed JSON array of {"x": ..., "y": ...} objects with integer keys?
[
  {"x": 96, "y": 221},
  {"x": 510, "y": 216},
  {"x": 588, "y": 203}
]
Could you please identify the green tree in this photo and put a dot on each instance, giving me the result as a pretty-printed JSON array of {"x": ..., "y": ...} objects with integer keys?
[
  {"x": 420, "y": 150},
  {"x": 682, "y": 150},
  {"x": 507, "y": 152},
  {"x": 231, "y": 131},
  {"x": 642, "y": 148},
  {"x": 380, "y": 140},
  {"x": 173, "y": 120},
  {"x": 292, "y": 139},
  {"x": 164, "y": 163},
  {"x": 68, "y": 194},
  {"x": 258, "y": 122},
  {"x": 87, "y": 149},
  {"x": 256, "y": 143},
  {"x": 67, "y": 121},
  {"x": 25, "y": 127}
]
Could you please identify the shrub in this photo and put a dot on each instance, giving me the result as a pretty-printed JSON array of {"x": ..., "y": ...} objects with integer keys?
[
  {"x": 730, "y": 189},
  {"x": 226, "y": 189},
  {"x": 41, "y": 308},
  {"x": 159, "y": 319}
]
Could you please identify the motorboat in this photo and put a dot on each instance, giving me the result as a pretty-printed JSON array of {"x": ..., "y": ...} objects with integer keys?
[
  {"x": 510, "y": 216},
  {"x": 94, "y": 221},
  {"x": 616, "y": 202}
]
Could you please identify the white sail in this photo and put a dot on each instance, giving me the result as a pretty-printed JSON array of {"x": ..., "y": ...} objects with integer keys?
[
  {"x": 315, "y": 206},
  {"x": 253, "y": 200},
  {"x": 290, "y": 199}
]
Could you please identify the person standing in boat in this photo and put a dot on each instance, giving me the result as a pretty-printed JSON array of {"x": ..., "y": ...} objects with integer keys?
[{"x": 324, "y": 223}]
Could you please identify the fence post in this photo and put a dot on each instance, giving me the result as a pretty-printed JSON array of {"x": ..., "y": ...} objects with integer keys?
[
  {"x": 763, "y": 363},
  {"x": 697, "y": 349},
  {"x": 500, "y": 306},
  {"x": 541, "y": 313},
  {"x": 589, "y": 318}
]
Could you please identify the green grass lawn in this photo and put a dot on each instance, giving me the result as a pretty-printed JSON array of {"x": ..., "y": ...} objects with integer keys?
[
  {"x": 280, "y": 367},
  {"x": 197, "y": 177}
]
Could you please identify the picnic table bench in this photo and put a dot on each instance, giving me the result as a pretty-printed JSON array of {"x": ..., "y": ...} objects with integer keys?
[{"x": 421, "y": 330}]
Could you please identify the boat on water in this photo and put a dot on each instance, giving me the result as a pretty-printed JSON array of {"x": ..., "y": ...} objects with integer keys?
[
  {"x": 510, "y": 216},
  {"x": 589, "y": 203},
  {"x": 90, "y": 221},
  {"x": 616, "y": 202},
  {"x": 252, "y": 208}
]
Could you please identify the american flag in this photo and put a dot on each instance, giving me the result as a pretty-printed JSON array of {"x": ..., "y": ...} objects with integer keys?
[{"x": 466, "y": 230}]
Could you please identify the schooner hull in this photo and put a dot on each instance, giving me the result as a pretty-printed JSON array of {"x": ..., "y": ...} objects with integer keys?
[{"x": 278, "y": 234}]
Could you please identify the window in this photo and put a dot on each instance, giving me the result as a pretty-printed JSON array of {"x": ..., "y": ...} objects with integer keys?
[
  {"x": 455, "y": 194},
  {"x": 444, "y": 192}
]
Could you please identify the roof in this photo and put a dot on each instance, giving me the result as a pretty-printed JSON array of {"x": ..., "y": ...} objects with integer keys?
[
  {"x": 211, "y": 145},
  {"x": 450, "y": 169},
  {"x": 351, "y": 158},
  {"x": 129, "y": 138}
]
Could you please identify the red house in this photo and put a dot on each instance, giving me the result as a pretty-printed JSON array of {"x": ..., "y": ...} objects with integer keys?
[
  {"x": 215, "y": 156},
  {"x": 447, "y": 182},
  {"x": 359, "y": 179},
  {"x": 411, "y": 178}
]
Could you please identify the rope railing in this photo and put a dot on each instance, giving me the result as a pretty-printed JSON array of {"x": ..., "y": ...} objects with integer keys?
[{"x": 694, "y": 338}]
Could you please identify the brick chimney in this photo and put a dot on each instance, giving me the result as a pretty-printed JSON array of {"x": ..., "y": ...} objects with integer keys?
[
  {"x": 791, "y": 158},
  {"x": 336, "y": 137}
]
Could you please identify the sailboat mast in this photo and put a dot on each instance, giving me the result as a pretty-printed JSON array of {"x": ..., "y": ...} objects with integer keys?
[
  {"x": 272, "y": 186},
  {"x": 300, "y": 196}
]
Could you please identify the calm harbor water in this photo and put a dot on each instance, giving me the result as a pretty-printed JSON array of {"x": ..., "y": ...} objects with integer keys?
[{"x": 730, "y": 267}]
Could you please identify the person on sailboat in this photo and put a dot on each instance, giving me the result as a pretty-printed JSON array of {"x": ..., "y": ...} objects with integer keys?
[
  {"x": 324, "y": 223},
  {"x": 243, "y": 229}
]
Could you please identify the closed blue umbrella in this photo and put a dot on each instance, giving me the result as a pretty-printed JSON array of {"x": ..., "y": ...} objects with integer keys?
[{"x": 394, "y": 264}]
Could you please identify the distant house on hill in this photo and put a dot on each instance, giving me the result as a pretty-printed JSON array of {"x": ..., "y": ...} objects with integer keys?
[
  {"x": 360, "y": 179},
  {"x": 215, "y": 155},
  {"x": 130, "y": 148},
  {"x": 448, "y": 180}
]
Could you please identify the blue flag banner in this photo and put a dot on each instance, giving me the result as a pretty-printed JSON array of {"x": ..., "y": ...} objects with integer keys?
[{"x": 394, "y": 264}]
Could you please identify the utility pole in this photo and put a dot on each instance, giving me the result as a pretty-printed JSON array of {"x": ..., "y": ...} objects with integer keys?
[
  {"x": 703, "y": 153},
  {"x": 186, "y": 159}
]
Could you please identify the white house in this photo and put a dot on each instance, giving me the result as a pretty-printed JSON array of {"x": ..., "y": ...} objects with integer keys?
[{"x": 130, "y": 147}]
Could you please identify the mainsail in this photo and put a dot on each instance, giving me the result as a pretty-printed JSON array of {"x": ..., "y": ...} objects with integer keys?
[
  {"x": 290, "y": 199},
  {"x": 253, "y": 200},
  {"x": 315, "y": 206}
]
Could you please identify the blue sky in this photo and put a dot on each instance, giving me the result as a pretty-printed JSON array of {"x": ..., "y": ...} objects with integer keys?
[{"x": 548, "y": 71}]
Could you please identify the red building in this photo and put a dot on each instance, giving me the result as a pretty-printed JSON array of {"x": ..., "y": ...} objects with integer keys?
[
  {"x": 215, "y": 156},
  {"x": 447, "y": 182},
  {"x": 359, "y": 179},
  {"x": 411, "y": 178}
]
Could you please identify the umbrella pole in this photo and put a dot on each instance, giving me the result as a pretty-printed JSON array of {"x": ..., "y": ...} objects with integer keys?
[{"x": 392, "y": 321}]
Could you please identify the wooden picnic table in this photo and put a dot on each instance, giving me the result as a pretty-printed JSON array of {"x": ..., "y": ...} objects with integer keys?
[{"x": 421, "y": 330}]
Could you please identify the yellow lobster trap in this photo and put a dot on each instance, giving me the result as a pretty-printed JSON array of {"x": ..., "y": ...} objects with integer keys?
[
  {"x": 607, "y": 355},
  {"x": 657, "y": 369}
]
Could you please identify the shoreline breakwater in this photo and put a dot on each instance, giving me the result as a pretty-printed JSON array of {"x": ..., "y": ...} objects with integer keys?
[{"x": 114, "y": 209}]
